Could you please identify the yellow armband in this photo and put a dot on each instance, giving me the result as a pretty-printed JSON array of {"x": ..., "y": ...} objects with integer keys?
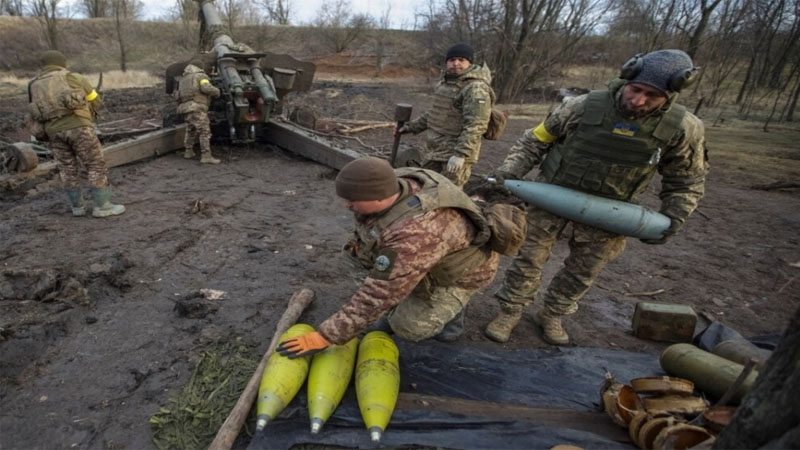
[
  {"x": 541, "y": 133},
  {"x": 203, "y": 81},
  {"x": 91, "y": 96}
]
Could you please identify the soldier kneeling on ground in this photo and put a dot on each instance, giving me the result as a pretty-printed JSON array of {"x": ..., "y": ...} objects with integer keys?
[
  {"x": 194, "y": 94},
  {"x": 63, "y": 105},
  {"x": 426, "y": 246}
]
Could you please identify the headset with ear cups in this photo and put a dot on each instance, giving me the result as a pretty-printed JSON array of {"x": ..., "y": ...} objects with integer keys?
[{"x": 679, "y": 80}]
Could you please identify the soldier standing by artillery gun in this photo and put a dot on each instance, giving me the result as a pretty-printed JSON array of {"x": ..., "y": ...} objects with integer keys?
[
  {"x": 458, "y": 119},
  {"x": 63, "y": 106},
  {"x": 608, "y": 143},
  {"x": 194, "y": 94}
]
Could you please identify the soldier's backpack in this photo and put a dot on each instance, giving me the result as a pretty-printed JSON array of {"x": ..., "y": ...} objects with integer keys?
[
  {"x": 508, "y": 226},
  {"x": 497, "y": 124}
]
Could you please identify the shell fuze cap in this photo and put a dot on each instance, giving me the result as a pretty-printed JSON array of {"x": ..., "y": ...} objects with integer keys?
[
  {"x": 666, "y": 70},
  {"x": 460, "y": 50},
  {"x": 367, "y": 178},
  {"x": 53, "y": 58}
]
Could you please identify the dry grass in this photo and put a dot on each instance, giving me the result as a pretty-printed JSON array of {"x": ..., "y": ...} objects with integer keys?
[{"x": 113, "y": 79}]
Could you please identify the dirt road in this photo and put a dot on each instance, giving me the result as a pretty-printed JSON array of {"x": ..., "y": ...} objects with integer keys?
[{"x": 99, "y": 318}]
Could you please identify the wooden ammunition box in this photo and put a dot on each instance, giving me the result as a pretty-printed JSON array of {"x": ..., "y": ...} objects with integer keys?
[{"x": 664, "y": 322}]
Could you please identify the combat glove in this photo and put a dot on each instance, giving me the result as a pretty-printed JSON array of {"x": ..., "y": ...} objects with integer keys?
[
  {"x": 402, "y": 130},
  {"x": 500, "y": 177},
  {"x": 303, "y": 345},
  {"x": 674, "y": 226},
  {"x": 455, "y": 163}
]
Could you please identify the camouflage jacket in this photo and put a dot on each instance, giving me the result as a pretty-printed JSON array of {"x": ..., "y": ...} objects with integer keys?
[
  {"x": 473, "y": 102},
  {"x": 71, "y": 121},
  {"x": 194, "y": 91},
  {"x": 682, "y": 164},
  {"x": 418, "y": 243}
]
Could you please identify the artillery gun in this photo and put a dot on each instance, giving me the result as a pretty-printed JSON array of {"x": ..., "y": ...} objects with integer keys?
[{"x": 252, "y": 84}]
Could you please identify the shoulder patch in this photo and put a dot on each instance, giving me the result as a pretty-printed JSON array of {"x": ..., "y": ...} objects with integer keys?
[{"x": 383, "y": 264}]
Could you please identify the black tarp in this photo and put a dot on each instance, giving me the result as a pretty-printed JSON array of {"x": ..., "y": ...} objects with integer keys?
[{"x": 563, "y": 378}]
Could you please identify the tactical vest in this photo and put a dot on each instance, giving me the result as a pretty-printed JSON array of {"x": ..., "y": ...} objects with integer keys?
[
  {"x": 189, "y": 90},
  {"x": 444, "y": 118},
  {"x": 435, "y": 193},
  {"x": 609, "y": 155},
  {"x": 52, "y": 97}
]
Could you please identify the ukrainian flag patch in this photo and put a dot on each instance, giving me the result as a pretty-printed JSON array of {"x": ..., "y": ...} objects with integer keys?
[{"x": 625, "y": 129}]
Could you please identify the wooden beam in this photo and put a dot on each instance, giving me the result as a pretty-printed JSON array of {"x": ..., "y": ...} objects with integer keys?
[
  {"x": 303, "y": 143},
  {"x": 594, "y": 422},
  {"x": 147, "y": 145}
]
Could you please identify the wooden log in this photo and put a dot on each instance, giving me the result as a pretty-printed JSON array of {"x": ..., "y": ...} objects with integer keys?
[{"x": 230, "y": 429}]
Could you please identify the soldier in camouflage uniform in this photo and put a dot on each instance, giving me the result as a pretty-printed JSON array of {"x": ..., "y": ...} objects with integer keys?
[
  {"x": 460, "y": 115},
  {"x": 194, "y": 94},
  {"x": 423, "y": 241},
  {"x": 608, "y": 143},
  {"x": 64, "y": 103}
]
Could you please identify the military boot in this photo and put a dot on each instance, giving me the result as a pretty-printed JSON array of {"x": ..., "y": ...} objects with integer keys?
[
  {"x": 552, "y": 331},
  {"x": 76, "y": 201},
  {"x": 453, "y": 329},
  {"x": 102, "y": 206},
  {"x": 208, "y": 158},
  {"x": 188, "y": 153},
  {"x": 500, "y": 328}
]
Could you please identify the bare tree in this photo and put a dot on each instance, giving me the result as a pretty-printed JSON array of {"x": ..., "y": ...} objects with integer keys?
[
  {"x": 187, "y": 13},
  {"x": 380, "y": 37},
  {"x": 124, "y": 12},
  {"x": 232, "y": 11},
  {"x": 724, "y": 49},
  {"x": 47, "y": 13},
  {"x": 337, "y": 27},
  {"x": 12, "y": 7},
  {"x": 94, "y": 8},
  {"x": 278, "y": 11}
]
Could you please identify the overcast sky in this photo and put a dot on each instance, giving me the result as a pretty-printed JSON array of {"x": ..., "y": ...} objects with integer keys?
[{"x": 303, "y": 11}]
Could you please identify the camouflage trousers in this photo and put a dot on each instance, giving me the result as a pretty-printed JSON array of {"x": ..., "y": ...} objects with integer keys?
[
  {"x": 197, "y": 128},
  {"x": 419, "y": 316},
  {"x": 76, "y": 146},
  {"x": 459, "y": 178},
  {"x": 590, "y": 249}
]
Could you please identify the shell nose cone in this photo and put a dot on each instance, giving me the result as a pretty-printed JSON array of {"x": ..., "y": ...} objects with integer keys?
[
  {"x": 316, "y": 425},
  {"x": 375, "y": 434}
]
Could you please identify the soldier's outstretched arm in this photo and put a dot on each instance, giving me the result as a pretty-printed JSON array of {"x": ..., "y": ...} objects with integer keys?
[
  {"x": 684, "y": 167},
  {"x": 409, "y": 249},
  {"x": 419, "y": 124},
  {"x": 207, "y": 88},
  {"x": 531, "y": 148}
]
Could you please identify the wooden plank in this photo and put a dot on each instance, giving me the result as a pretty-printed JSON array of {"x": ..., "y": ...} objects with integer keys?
[
  {"x": 147, "y": 145},
  {"x": 594, "y": 422},
  {"x": 308, "y": 145}
]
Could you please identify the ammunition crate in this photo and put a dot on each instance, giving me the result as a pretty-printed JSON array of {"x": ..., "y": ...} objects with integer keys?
[{"x": 664, "y": 322}]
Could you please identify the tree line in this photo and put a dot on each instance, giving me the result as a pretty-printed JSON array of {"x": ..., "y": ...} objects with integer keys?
[{"x": 748, "y": 49}]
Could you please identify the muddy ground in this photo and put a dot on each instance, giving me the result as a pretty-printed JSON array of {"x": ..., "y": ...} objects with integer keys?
[{"x": 99, "y": 318}]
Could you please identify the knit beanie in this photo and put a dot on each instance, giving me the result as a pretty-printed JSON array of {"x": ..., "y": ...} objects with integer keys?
[
  {"x": 53, "y": 58},
  {"x": 367, "y": 178},
  {"x": 660, "y": 66},
  {"x": 197, "y": 63},
  {"x": 460, "y": 50}
]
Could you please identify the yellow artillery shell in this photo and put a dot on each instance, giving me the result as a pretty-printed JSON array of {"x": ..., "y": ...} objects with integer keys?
[
  {"x": 328, "y": 379},
  {"x": 377, "y": 381},
  {"x": 282, "y": 379}
]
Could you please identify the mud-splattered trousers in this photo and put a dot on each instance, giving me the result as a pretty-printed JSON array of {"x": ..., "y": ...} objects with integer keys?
[
  {"x": 421, "y": 307},
  {"x": 683, "y": 167},
  {"x": 197, "y": 128},
  {"x": 590, "y": 250},
  {"x": 75, "y": 146}
]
